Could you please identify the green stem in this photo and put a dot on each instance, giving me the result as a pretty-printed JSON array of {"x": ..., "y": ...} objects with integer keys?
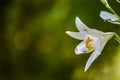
[
  {"x": 112, "y": 10},
  {"x": 105, "y": 2},
  {"x": 118, "y": 1},
  {"x": 117, "y": 38}
]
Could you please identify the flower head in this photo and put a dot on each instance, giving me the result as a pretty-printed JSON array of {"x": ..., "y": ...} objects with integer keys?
[
  {"x": 109, "y": 17},
  {"x": 92, "y": 41}
]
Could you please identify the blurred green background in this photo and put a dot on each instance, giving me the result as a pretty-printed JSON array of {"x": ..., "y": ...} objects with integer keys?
[{"x": 34, "y": 46}]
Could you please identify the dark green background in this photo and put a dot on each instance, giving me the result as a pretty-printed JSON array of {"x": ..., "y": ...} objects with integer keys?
[{"x": 34, "y": 46}]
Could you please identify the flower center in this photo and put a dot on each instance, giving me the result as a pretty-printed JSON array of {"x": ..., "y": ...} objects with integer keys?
[{"x": 88, "y": 45}]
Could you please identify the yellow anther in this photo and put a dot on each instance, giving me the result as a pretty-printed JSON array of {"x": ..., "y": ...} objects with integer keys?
[{"x": 88, "y": 45}]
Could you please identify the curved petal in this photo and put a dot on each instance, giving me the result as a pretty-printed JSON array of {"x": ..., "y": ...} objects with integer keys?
[
  {"x": 95, "y": 32},
  {"x": 81, "y": 48},
  {"x": 103, "y": 42},
  {"x": 93, "y": 56},
  {"x": 80, "y": 25},
  {"x": 107, "y": 16},
  {"x": 97, "y": 52},
  {"x": 77, "y": 35},
  {"x": 98, "y": 34}
]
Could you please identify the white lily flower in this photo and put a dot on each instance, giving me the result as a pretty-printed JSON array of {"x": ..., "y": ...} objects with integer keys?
[
  {"x": 107, "y": 16},
  {"x": 92, "y": 41}
]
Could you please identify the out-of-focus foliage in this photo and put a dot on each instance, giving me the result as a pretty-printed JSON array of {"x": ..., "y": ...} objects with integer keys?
[{"x": 34, "y": 46}]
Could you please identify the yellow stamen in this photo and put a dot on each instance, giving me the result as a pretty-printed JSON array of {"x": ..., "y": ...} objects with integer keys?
[{"x": 88, "y": 45}]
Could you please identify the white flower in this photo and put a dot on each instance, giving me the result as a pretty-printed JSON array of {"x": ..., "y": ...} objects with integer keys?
[
  {"x": 92, "y": 41},
  {"x": 109, "y": 17}
]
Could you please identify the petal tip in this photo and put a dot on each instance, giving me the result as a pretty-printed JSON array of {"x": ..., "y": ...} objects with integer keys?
[
  {"x": 86, "y": 68},
  {"x": 67, "y": 32},
  {"x": 102, "y": 14},
  {"x": 77, "y": 19},
  {"x": 77, "y": 52}
]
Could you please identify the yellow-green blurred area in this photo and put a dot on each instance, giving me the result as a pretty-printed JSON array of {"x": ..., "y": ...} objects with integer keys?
[{"x": 34, "y": 46}]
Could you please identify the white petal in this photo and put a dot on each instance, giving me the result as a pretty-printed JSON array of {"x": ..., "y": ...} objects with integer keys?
[
  {"x": 93, "y": 56},
  {"x": 77, "y": 35},
  {"x": 107, "y": 16},
  {"x": 100, "y": 47},
  {"x": 95, "y": 32},
  {"x": 107, "y": 36},
  {"x": 81, "y": 48},
  {"x": 80, "y": 25},
  {"x": 98, "y": 34}
]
